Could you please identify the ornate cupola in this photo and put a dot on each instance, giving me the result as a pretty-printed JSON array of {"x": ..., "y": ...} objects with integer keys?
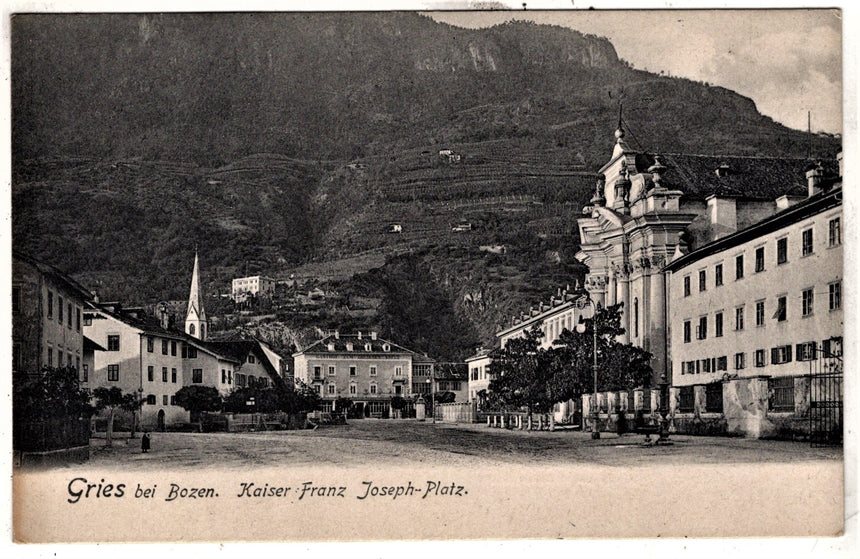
[{"x": 195, "y": 321}]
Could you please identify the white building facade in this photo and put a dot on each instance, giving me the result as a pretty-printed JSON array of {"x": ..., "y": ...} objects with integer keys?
[
  {"x": 259, "y": 286},
  {"x": 752, "y": 316}
]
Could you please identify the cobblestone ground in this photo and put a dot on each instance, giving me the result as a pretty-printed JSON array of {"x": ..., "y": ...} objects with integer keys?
[{"x": 408, "y": 442}]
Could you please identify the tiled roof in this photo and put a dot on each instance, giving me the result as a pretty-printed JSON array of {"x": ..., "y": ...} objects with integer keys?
[
  {"x": 449, "y": 374},
  {"x": 149, "y": 324},
  {"x": 55, "y": 274},
  {"x": 421, "y": 358},
  {"x": 746, "y": 176},
  {"x": 238, "y": 350},
  {"x": 358, "y": 345}
]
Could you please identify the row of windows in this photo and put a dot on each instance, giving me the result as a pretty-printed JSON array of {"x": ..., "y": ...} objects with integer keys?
[
  {"x": 331, "y": 389},
  {"x": 367, "y": 346},
  {"x": 150, "y": 374},
  {"x": 479, "y": 373},
  {"x": 807, "y": 306},
  {"x": 72, "y": 316},
  {"x": 807, "y": 248},
  {"x": 165, "y": 400},
  {"x": 806, "y": 351},
  {"x": 69, "y": 358},
  {"x": 780, "y": 396},
  {"x": 713, "y": 398},
  {"x": 353, "y": 371}
]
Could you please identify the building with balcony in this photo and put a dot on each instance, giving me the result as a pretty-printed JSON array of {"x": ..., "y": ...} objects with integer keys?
[{"x": 361, "y": 367}]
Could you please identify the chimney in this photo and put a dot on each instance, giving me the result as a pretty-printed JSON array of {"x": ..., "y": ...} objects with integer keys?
[
  {"x": 163, "y": 316},
  {"x": 359, "y": 334},
  {"x": 336, "y": 335},
  {"x": 723, "y": 213},
  {"x": 95, "y": 293},
  {"x": 814, "y": 175},
  {"x": 373, "y": 335}
]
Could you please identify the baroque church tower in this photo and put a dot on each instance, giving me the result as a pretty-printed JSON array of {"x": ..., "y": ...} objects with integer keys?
[{"x": 195, "y": 321}]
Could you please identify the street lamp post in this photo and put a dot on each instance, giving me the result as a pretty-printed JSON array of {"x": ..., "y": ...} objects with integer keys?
[
  {"x": 136, "y": 411},
  {"x": 432, "y": 397},
  {"x": 581, "y": 303}
]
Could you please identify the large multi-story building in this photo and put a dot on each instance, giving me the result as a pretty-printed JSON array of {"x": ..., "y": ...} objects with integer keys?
[
  {"x": 754, "y": 314},
  {"x": 47, "y": 315},
  {"x": 147, "y": 356},
  {"x": 259, "y": 286},
  {"x": 553, "y": 317},
  {"x": 646, "y": 206},
  {"x": 361, "y": 367}
]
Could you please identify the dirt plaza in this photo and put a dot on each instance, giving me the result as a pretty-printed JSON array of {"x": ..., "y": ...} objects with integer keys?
[{"x": 409, "y": 442}]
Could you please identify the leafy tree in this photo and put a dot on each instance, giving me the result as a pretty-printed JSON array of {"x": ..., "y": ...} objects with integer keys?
[
  {"x": 299, "y": 398},
  {"x": 197, "y": 399},
  {"x": 619, "y": 366},
  {"x": 520, "y": 373},
  {"x": 113, "y": 399},
  {"x": 398, "y": 403},
  {"x": 524, "y": 375},
  {"x": 56, "y": 392}
]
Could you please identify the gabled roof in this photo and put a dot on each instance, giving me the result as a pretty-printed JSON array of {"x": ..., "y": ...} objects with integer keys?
[
  {"x": 55, "y": 274},
  {"x": 239, "y": 350},
  {"x": 146, "y": 323}
]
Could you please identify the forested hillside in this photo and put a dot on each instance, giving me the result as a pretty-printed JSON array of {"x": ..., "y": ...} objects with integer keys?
[{"x": 276, "y": 141}]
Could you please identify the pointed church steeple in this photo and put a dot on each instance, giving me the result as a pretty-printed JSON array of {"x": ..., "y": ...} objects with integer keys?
[{"x": 195, "y": 321}]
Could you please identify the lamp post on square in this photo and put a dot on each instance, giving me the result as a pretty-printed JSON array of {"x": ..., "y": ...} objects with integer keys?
[
  {"x": 432, "y": 397},
  {"x": 581, "y": 303}
]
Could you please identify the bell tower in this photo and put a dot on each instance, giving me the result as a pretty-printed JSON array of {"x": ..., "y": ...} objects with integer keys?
[{"x": 195, "y": 321}]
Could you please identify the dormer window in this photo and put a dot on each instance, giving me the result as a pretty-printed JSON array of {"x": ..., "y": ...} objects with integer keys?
[
  {"x": 349, "y": 346},
  {"x": 368, "y": 347},
  {"x": 723, "y": 170},
  {"x": 386, "y": 347},
  {"x": 330, "y": 346}
]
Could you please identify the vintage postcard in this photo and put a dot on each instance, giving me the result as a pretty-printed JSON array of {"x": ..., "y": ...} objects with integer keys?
[{"x": 479, "y": 272}]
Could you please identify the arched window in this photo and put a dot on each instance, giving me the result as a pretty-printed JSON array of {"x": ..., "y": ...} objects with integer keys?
[
  {"x": 636, "y": 317},
  {"x": 191, "y": 329},
  {"x": 202, "y": 331},
  {"x": 251, "y": 381}
]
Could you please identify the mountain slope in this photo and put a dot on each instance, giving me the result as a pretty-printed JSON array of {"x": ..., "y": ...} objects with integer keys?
[{"x": 275, "y": 140}]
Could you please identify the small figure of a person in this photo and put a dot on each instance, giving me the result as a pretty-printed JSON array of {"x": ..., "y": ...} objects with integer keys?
[{"x": 145, "y": 441}]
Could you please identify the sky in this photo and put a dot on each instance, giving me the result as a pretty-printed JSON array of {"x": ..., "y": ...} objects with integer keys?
[{"x": 788, "y": 61}]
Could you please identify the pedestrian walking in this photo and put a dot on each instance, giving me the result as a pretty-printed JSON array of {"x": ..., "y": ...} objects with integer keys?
[{"x": 145, "y": 441}]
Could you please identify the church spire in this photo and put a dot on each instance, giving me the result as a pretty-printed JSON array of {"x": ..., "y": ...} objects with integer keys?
[{"x": 195, "y": 320}]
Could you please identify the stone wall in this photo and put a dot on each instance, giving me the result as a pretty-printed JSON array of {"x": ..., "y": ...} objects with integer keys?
[{"x": 746, "y": 411}]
